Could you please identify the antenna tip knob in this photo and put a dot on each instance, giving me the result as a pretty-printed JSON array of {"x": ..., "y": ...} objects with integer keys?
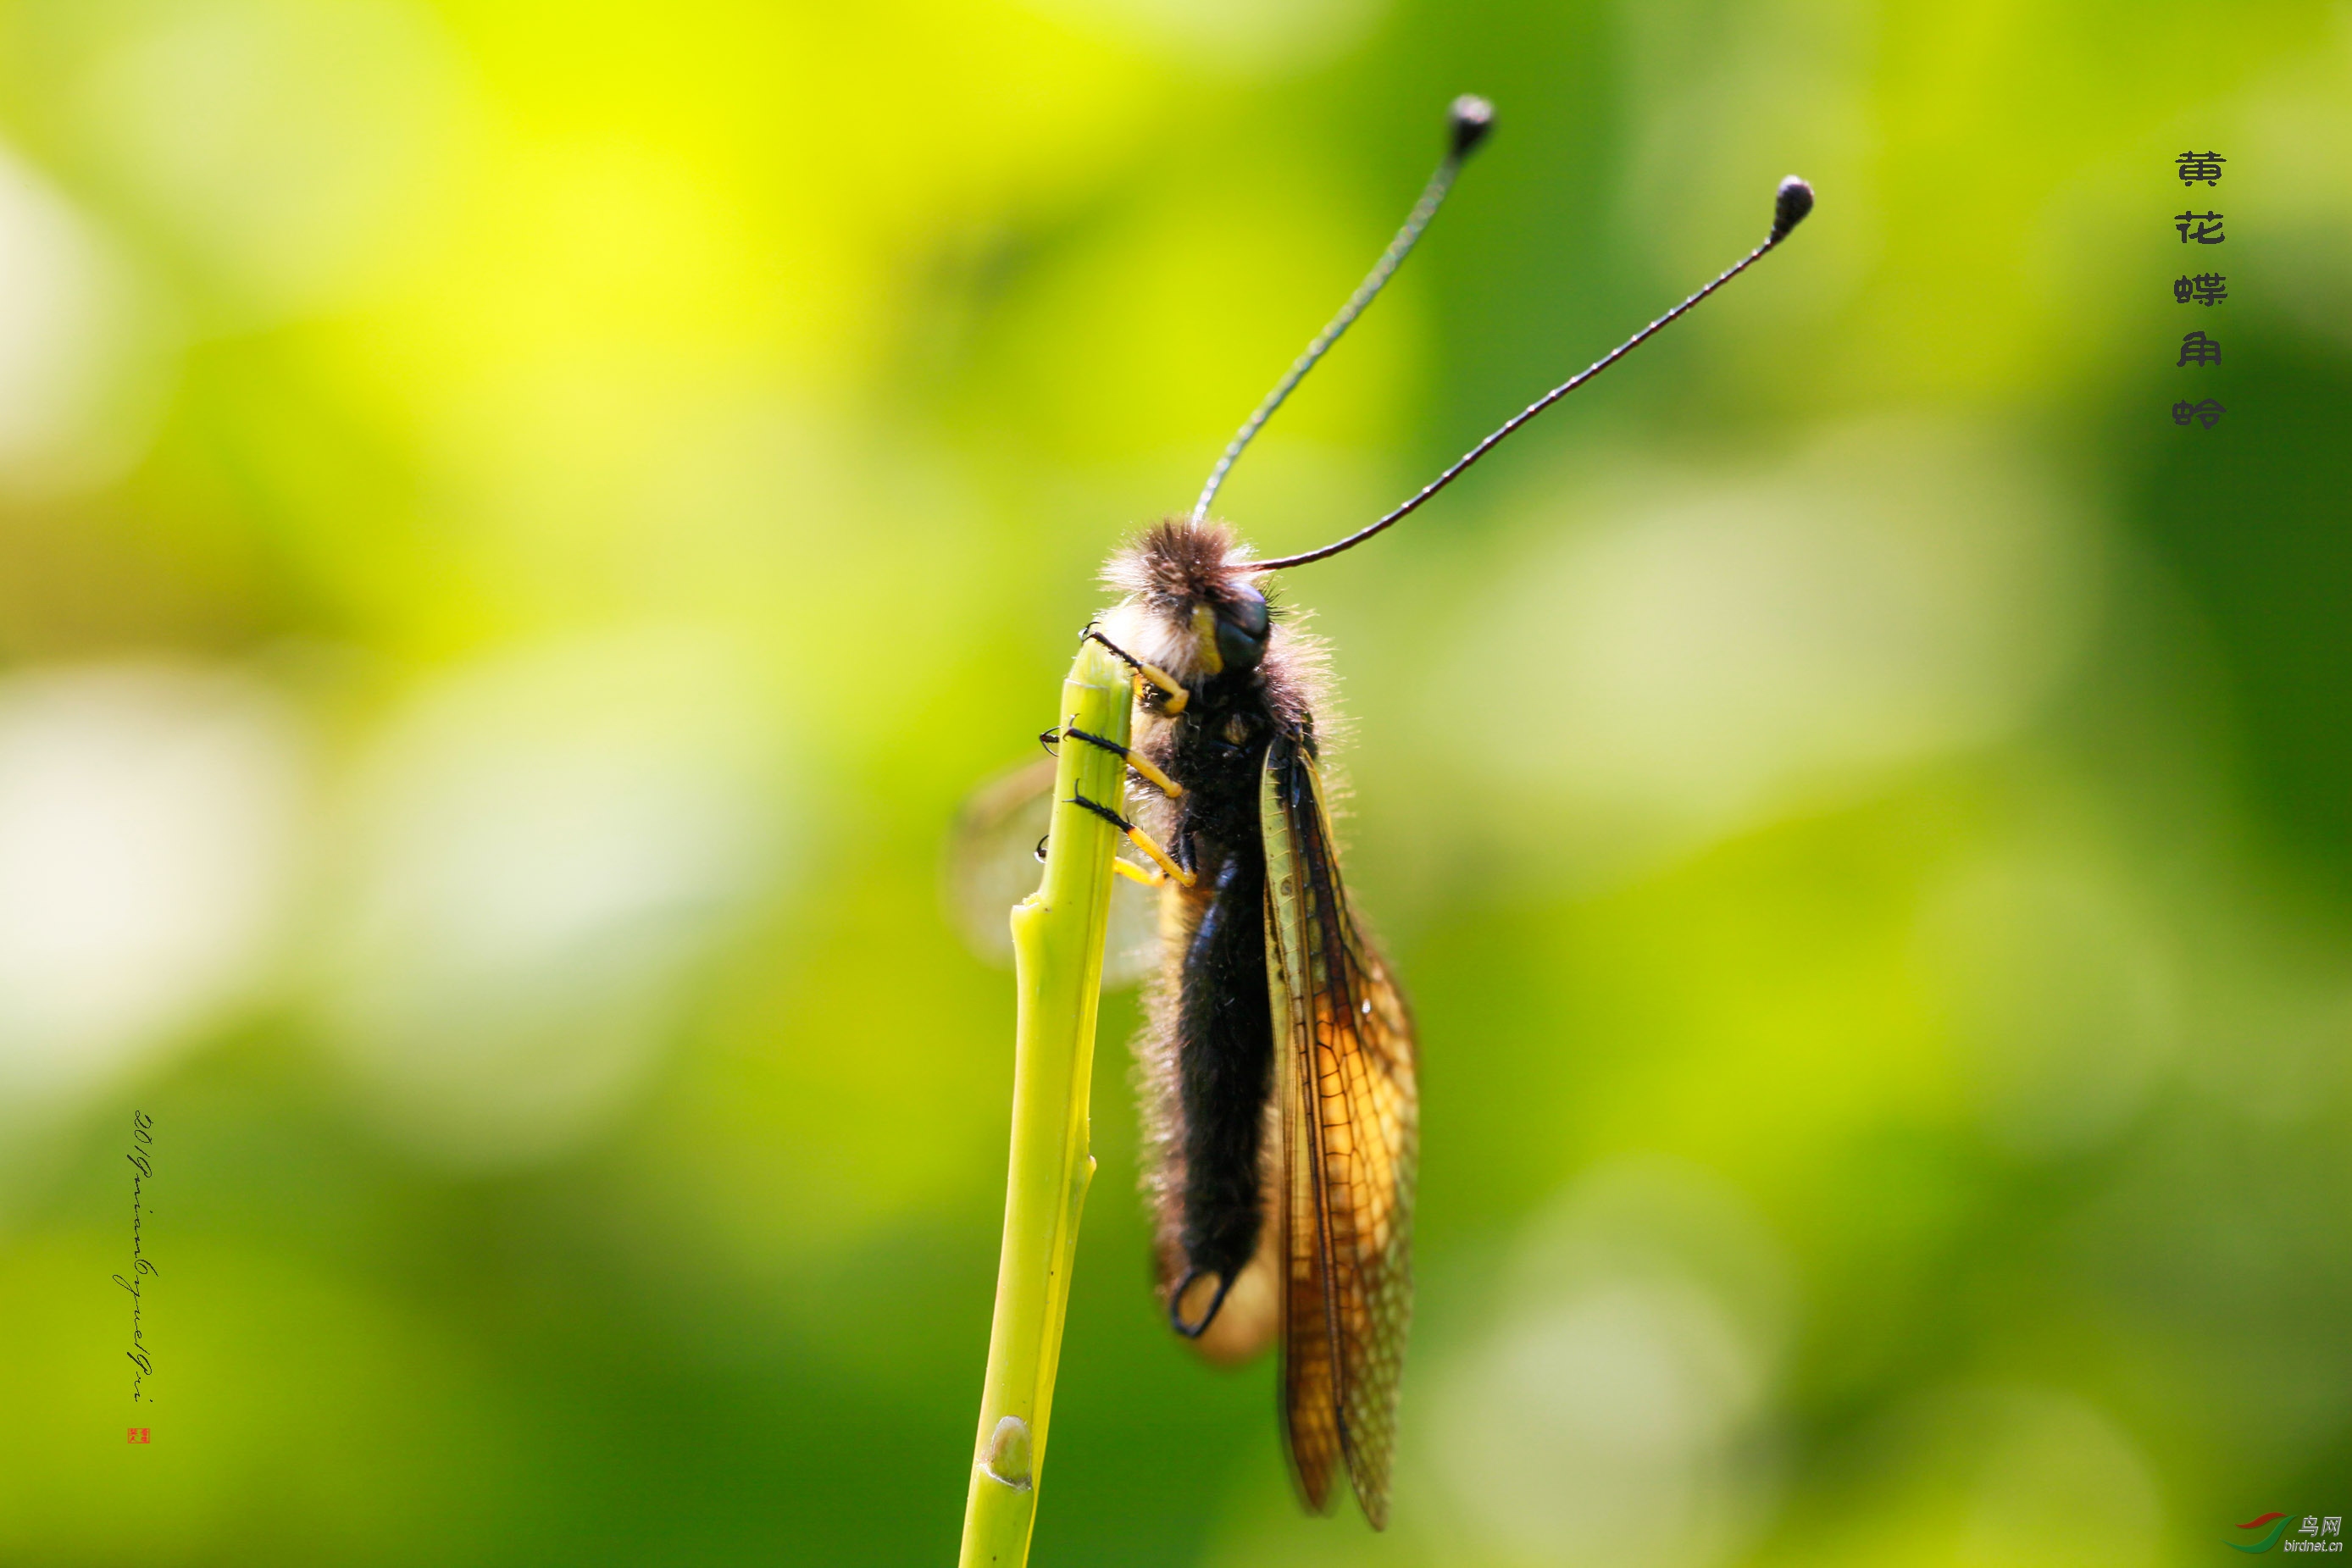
[
  {"x": 1469, "y": 119},
  {"x": 1790, "y": 207}
]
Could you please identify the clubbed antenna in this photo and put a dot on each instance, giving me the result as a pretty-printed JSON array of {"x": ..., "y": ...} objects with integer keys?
[
  {"x": 1789, "y": 205},
  {"x": 1468, "y": 121},
  {"x": 1789, "y": 209}
]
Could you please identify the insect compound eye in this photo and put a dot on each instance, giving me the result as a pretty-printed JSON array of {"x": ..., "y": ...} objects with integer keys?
[
  {"x": 1248, "y": 611},
  {"x": 1239, "y": 649},
  {"x": 1242, "y": 627}
]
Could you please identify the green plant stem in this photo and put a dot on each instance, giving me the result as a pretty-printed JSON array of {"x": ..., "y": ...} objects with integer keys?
[{"x": 1057, "y": 947}]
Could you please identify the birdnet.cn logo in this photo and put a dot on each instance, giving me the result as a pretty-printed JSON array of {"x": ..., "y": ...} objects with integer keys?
[{"x": 2280, "y": 1529}]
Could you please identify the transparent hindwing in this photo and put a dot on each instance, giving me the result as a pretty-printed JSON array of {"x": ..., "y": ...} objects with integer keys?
[{"x": 991, "y": 864}]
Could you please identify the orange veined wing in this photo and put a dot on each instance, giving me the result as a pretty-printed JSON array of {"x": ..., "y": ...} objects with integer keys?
[{"x": 1351, "y": 1132}]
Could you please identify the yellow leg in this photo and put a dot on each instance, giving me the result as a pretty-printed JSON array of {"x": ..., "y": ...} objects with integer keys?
[
  {"x": 1177, "y": 696},
  {"x": 1172, "y": 688},
  {"x": 1139, "y": 837},
  {"x": 1152, "y": 776},
  {"x": 1149, "y": 877},
  {"x": 1133, "y": 759},
  {"x": 1167, "y": 864}
]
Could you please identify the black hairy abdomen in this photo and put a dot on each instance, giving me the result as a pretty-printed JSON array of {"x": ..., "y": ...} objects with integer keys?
[
  {"x": 1224, "y": 1068},
  {"x": 1224, "y": 1027}
]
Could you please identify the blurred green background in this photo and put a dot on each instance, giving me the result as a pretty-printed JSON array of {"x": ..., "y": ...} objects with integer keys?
[{"x": 521, "y": 524}]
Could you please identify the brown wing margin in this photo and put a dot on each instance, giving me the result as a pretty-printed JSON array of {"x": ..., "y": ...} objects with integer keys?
[{"x": 1350, "y": 1131}]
